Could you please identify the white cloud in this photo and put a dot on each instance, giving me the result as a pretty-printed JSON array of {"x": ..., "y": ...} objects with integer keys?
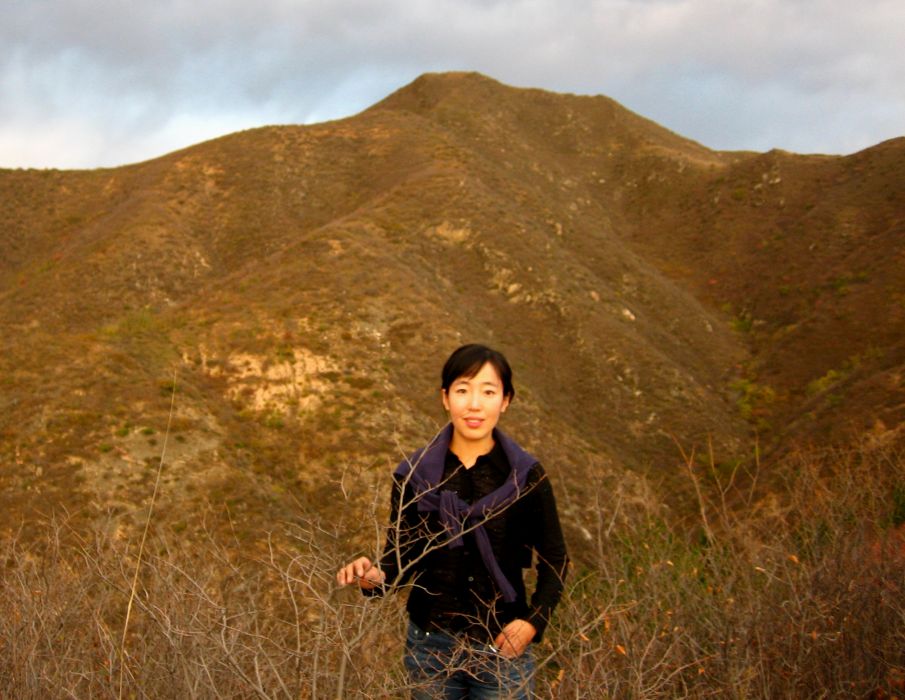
[{"x": 102, "y": 82}]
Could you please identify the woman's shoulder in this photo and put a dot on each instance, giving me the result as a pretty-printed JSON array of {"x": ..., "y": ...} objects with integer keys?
[{"x": 536, "y": 477}]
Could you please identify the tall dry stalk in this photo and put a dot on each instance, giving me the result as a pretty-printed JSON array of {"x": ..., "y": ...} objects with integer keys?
[{"x": 144, "y": 537}]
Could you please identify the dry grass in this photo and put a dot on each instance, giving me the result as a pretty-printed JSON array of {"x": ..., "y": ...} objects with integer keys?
[{"x": 794, "y": 596}]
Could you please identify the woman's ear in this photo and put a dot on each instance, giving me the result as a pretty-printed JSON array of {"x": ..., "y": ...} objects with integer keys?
[
  {"x": 445, "y": 398},
  {"x": 506, "y": 400}
]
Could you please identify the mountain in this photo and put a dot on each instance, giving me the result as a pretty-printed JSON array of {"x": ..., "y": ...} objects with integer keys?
[{"x": 292, "y": 292}]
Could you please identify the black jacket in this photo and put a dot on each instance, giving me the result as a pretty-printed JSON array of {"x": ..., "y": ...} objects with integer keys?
[{"x": 451, "y": 588}]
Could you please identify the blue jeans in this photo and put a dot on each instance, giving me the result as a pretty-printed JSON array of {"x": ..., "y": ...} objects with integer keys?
[{"x": 441, "y": 666}]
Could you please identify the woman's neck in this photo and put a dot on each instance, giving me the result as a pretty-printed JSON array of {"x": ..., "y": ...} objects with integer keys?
[{"x": 468, "y": 452}]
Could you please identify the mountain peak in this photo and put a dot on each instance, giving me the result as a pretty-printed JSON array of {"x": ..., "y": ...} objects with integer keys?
[
  {"x": 431, "y": 89},
  {"x": 479, "y": 104}
]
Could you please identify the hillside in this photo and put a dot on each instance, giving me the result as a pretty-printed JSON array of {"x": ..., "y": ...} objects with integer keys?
[{"x": 302, "y": 285}]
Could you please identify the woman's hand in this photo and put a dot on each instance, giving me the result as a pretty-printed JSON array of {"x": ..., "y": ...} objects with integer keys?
[
  {"x": 515, "y": 638},
  {"x": 363, "y": 571}
]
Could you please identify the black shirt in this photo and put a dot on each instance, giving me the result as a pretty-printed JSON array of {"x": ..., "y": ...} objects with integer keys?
[{"x": 451, "y": 587}]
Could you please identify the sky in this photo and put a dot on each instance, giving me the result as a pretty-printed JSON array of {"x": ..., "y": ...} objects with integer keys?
[{"x": 98, "y": 83}]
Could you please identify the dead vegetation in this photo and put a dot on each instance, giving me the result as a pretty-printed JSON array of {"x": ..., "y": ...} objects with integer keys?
[{"x": 796, "y": 595}]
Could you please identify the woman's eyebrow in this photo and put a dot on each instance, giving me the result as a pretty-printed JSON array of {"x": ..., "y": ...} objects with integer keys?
[{"x": 469, "y": 380}]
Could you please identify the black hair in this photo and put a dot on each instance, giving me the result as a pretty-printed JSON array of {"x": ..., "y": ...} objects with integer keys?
[{"x": 467, "y": 361}]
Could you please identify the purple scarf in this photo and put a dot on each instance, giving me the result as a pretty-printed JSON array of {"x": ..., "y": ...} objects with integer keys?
[{"x": 424, "y": 471}]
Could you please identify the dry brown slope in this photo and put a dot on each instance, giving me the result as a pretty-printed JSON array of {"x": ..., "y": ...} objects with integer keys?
[
  {"x": 806, "y": 252},
  {"x": 305, "y": 282}
]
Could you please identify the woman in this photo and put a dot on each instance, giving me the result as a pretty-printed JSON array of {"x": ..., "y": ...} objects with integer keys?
[{"x": 468, "y": 511}]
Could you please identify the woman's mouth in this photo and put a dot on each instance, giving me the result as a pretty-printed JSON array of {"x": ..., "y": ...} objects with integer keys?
[{"x": 474, "y": 422}]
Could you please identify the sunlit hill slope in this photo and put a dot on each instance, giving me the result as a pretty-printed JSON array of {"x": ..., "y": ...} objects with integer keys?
[{"x": 301, "y": 285}]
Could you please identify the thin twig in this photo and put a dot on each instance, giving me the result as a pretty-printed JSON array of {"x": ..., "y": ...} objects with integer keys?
[{"x": 144, "y": 536}]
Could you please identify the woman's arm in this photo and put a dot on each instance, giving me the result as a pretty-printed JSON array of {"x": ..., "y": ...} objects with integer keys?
[
  {"x": 399, "y": 551},
  {"x": 543, "y": 534},
  {"x": 550, "y": 549}
]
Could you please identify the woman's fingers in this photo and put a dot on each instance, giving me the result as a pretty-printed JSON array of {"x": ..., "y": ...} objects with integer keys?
[
  {"x": 351, "y": 572},
  {"x": 361, "y": 566},
  {"x": 361, "y": 571},
  {"x": 515, "y": 638}
]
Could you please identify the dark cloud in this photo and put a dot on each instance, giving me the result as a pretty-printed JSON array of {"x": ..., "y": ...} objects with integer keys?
[{"x": 102, "y": 82}]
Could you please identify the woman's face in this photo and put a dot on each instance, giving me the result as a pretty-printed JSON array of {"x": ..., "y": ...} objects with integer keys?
[{"x": 475, "y": 404}]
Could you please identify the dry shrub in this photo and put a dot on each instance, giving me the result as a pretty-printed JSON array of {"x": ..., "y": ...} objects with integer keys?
[
  {"x": 211, "y": 619},
  {"x": 791, "y": 595}
]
